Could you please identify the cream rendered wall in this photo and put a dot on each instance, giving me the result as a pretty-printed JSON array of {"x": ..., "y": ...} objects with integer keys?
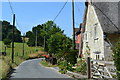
[{"x": 95, "y": 43}]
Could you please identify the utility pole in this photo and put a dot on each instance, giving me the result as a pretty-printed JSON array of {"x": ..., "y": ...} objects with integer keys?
[
  {"x": 44, "y": 44},
  {"x": 88, "y": 67},
  {"x": 45, "y": 37},
  {"x": 13, "y": 38},
  {"x": 81, "y": 40},
  {"x": 23, "y": 43},
  {"x": 73, "y": 24},
  {"x": 36, "y": 42}
]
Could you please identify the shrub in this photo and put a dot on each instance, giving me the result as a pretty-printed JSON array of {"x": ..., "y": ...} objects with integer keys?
[
  {"x": 71, "y": 56},
  {"x": 116, "y": 56},
  {"x": 62, "y": 71},
  {"x": 81, "y": 66},
  {"x": 69, "y": 67},
  {"x": 63, "y": 66}
]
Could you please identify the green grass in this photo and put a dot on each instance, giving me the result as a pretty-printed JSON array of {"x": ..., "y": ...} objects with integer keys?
[
  {"x": 46, "y": 64},
  {"x": 6, "y": 65},
  {"x": 18, "y": 49},
  {"x": 4, "y": 69}
]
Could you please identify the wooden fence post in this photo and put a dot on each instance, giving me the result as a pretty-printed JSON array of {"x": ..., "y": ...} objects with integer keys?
[{"x": 89, "y": 67}]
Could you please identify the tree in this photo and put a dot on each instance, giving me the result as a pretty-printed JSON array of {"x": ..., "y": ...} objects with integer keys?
[
  {"x": 58, "y": 42},
  {"x": 44, "y": 32},
  {"x": 7, "y": 42},
  {"x": 28, "y": 34},
  {"x": 55, "y": 43},
  {"x": 7, "y": 32},
  {"x": 32, "y": 36},
  {"x": 50, "y": 29}
]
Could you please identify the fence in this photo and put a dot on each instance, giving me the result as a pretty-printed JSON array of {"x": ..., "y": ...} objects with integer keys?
[{"x": 102, "y": 69}]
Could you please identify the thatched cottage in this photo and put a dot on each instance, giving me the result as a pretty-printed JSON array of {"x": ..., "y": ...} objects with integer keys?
[{"x": 101, "y": 29}]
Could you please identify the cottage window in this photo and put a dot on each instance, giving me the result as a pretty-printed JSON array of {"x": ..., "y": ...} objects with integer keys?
[
  {"x": 86, "y": 36},
  {"x": 90, "y": 34},
  {"x": 95, "y": 30}
]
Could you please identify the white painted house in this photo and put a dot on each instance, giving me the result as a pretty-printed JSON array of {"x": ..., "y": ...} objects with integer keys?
[{"x": 101, "y": 29}]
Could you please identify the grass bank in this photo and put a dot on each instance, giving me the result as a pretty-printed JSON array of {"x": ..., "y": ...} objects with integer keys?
[
  {"x": 7, "y": 65},
  {"x": 46, "y": 64}
]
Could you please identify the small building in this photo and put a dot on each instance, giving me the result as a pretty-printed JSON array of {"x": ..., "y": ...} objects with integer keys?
[
  {"x": 77, "y": 37},
  {"x": 101, "y": 29}
]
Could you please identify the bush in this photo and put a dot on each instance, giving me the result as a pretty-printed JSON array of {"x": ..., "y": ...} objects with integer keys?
[
  {"x": 62, "y": 71},
  {"x": 116, "y": 56},
  {"x": 71, "y": 56},
  {"x": 64, "y": 66},
  {"x": 81, "y": 66},
  {"x": 69, "y": 67}
]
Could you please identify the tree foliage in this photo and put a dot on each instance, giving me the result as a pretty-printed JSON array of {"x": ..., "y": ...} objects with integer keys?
[
  {"x": 44, "y": 30},
  {"x": 117, "y": 58},
  {"x": 7, "y": 32},
  {"x": 56, "y": 42},
  {"x": 7, "y": 42}
]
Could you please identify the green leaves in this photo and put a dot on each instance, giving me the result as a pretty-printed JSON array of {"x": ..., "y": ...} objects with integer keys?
[
  {"x": 7, "y": 42},
  {"x": 58, "y": 42},
  {"x": 116, "y": 56},
  {"x": 44, "y": 30},
  {"x": 7, "y": 32}
]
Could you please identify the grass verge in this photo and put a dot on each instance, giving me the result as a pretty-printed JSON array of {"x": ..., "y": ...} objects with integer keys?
[
  {"x": 46, "y": 64},
  {"x": 7, "y": 65}
]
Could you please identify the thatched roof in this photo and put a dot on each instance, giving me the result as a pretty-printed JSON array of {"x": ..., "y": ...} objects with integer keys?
[{"x": 108, "y": 14}]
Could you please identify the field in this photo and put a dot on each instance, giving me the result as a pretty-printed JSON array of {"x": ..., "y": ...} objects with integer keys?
[
  {"x": 18, "y": 49},
  {"x": 5, "y": 61}
]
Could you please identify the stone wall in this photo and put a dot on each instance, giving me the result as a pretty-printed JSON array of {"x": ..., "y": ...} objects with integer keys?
[{"x": 93, "y": 36}]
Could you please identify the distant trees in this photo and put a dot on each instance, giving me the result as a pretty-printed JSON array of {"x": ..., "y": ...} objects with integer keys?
[
  {"x": 44, "y": 32},
  {"x": 7, "y": 32},
  {"x": 7, "y": 42},
  {"x": 55, "y": 40}
]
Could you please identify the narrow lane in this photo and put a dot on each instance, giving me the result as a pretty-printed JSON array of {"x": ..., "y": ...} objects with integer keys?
[{"x": 33, "y": 69}]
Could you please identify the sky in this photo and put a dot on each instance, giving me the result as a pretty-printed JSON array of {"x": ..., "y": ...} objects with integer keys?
[{"x": 29, "y": 14}]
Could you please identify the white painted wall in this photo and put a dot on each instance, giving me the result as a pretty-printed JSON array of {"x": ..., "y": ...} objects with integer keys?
[{"x": 94, "y": 37}]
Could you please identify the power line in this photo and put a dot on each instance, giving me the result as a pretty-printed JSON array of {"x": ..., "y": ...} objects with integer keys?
[
  {"x": 77, "y": 23},
  {"x": 77, "y": 8},
  {"x": 18, "y": 25},
  {"x": 11, "y": 7},
  {"x": 12, "y": 11},
  {"x": 60, "y": 10}
]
